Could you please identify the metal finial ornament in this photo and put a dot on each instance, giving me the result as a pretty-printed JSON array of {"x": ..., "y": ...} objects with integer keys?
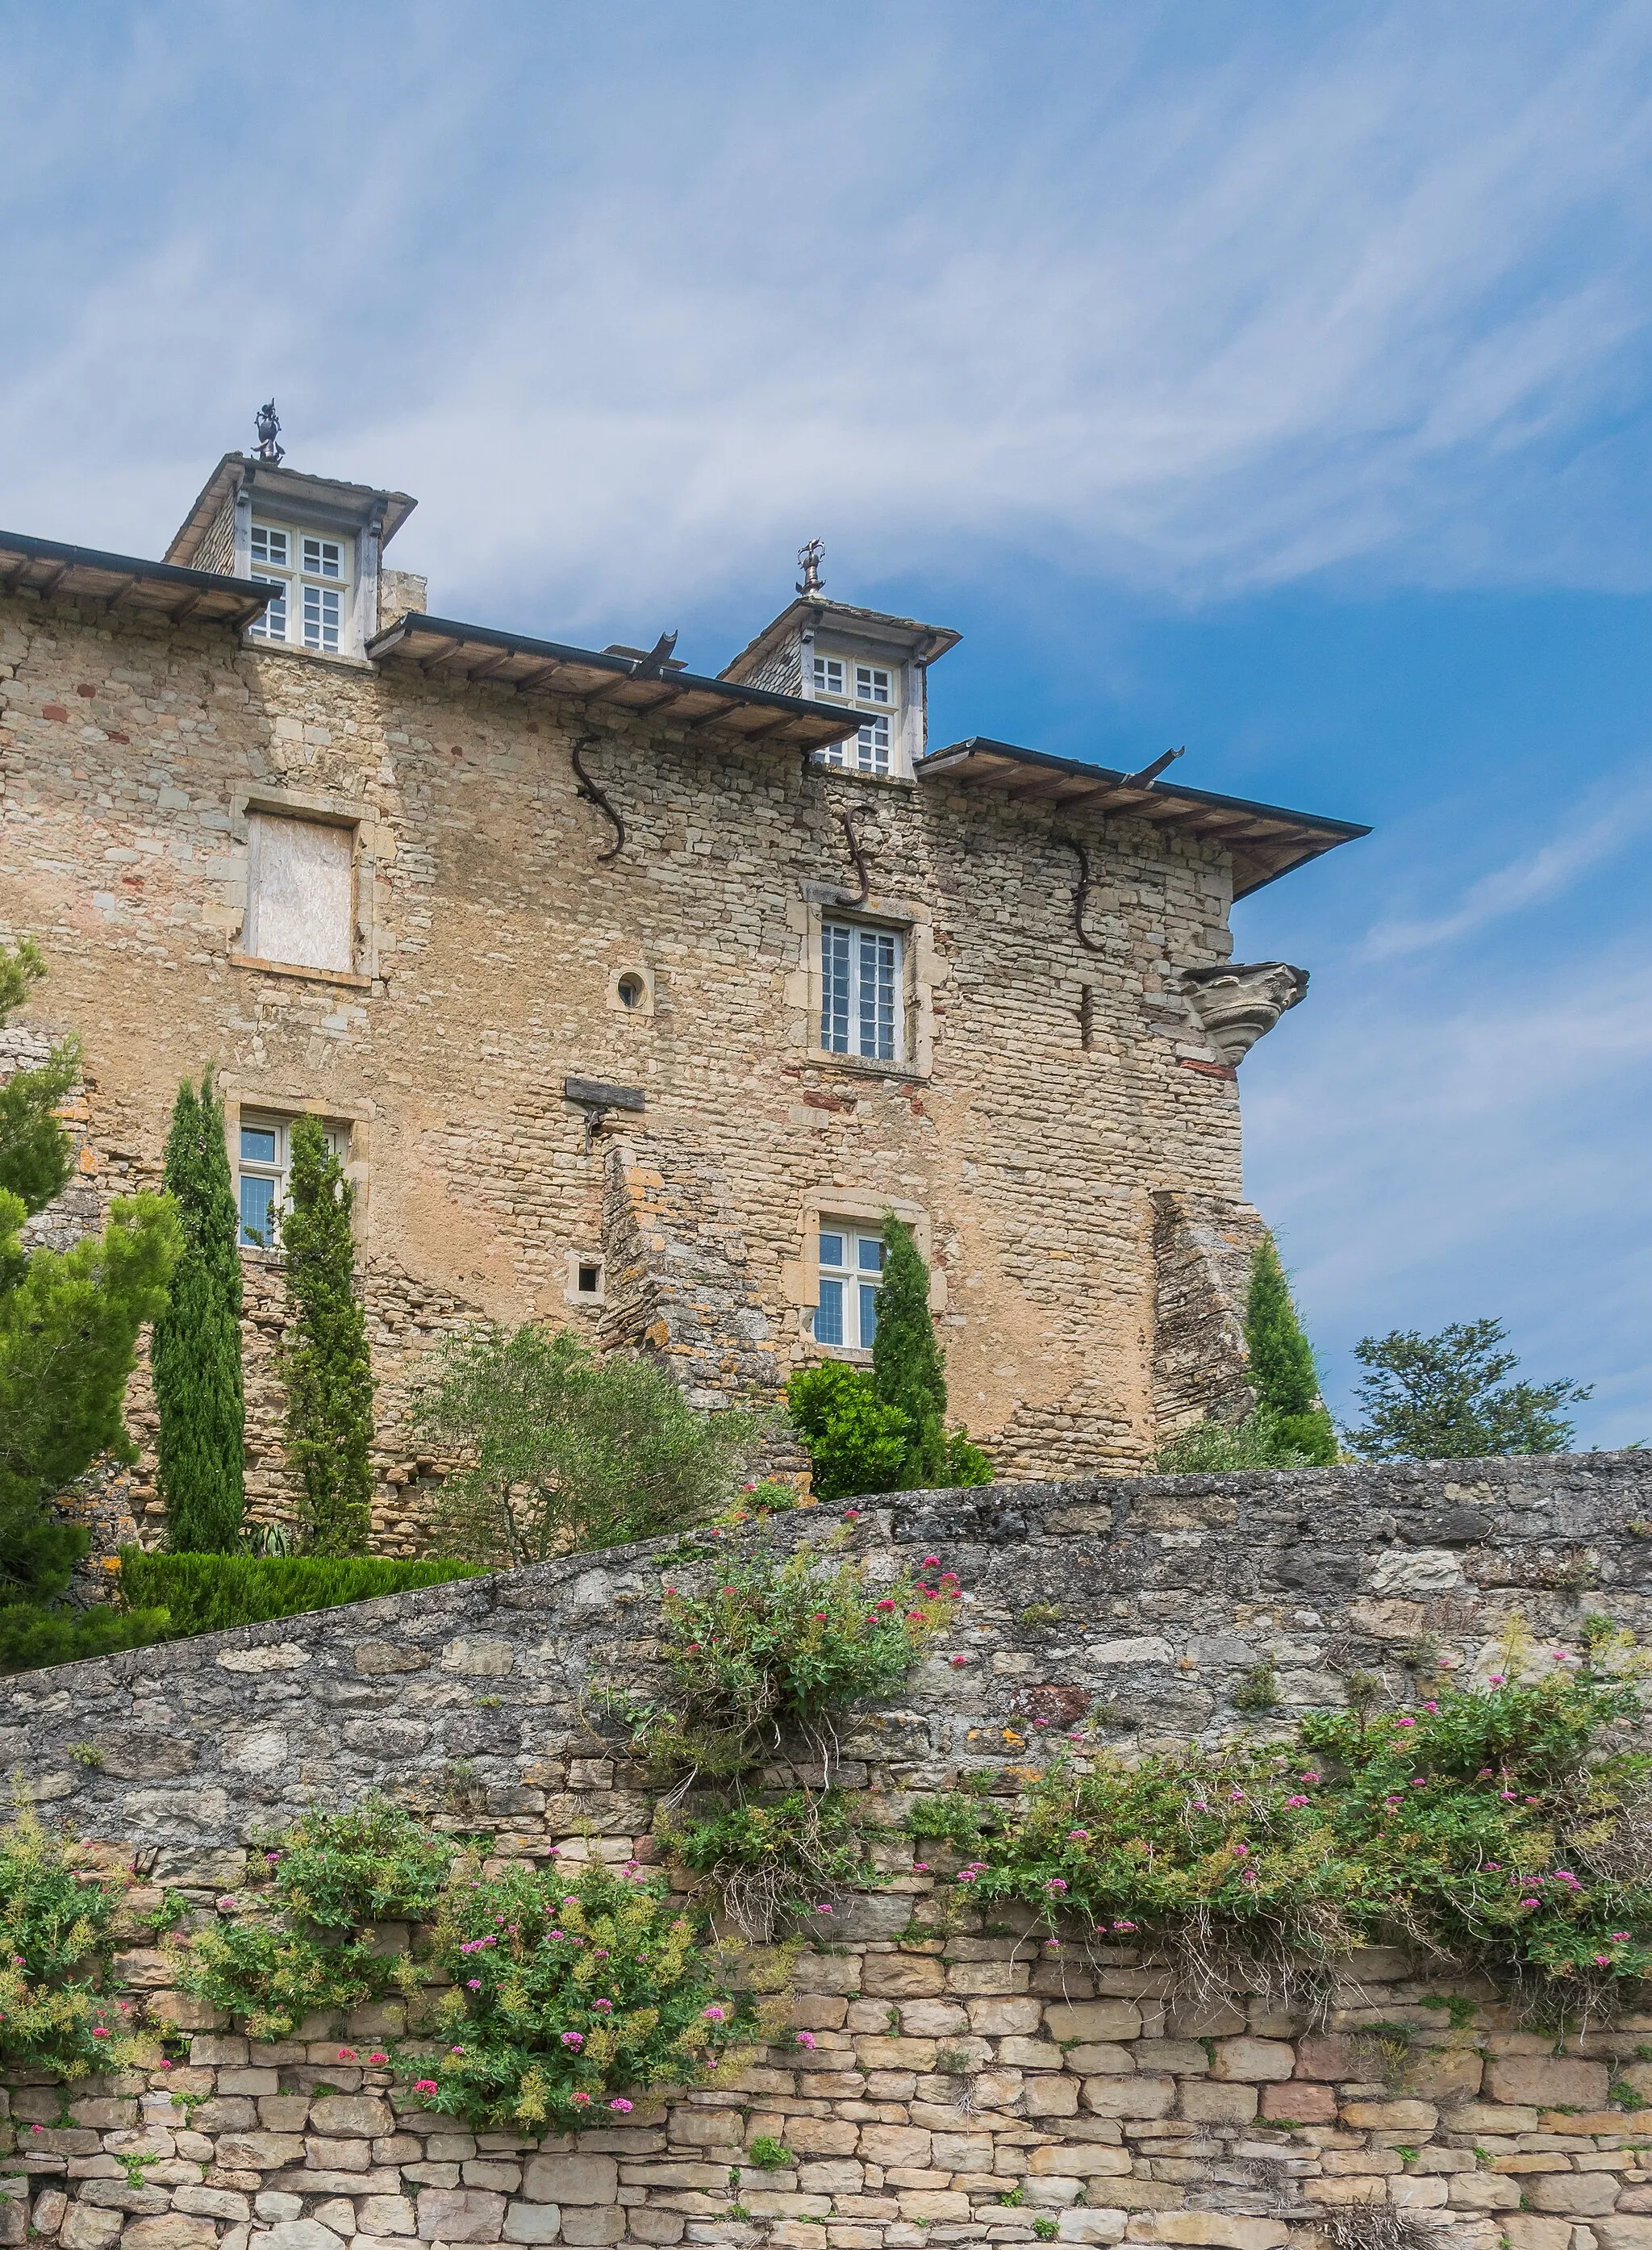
[
  {"x": 269, "y": 429},
  {"x": 809, "y": 559}
]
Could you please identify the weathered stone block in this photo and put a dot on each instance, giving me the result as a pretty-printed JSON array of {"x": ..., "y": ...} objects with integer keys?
[
  {"x": 539, "y": 2222},
  {"x": 1253, "y": 2058},
  {"x": 352, "y": 2115},
  {"x": 1213, "y": 2227},
  {"x": 88, "y": 2228},
  {"x": 1091, "y": 2226},
  {"x": 464, "y": 2214},
  {"x": 571, "y": 2179},
  {"x": 1547, "y": 2081},
  {"x": 904, "y": 1976},
  {"x": 212, "y": 2203},
  {"x": 386, "y": 2214},
  {"x": 1093, "y": 2020},
  {"x": 1396, "y": 2116},
  {"x": 590, "y": 2226},
  {"x": 1581, "y": 2195},
  {"x": 1130, "y": 2097},
  {"x": 1214, "y": 2104},
  {"x": 173, "y": 2230}
]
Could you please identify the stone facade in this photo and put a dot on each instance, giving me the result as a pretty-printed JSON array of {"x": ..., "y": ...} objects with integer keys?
[
  {"x": 1049, "y": 1089},
  {"x": 952, "y": 2065}
]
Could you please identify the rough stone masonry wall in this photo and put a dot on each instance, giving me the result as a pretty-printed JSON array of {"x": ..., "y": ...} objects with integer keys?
[
  {"x": 496, "y": 940},
  {"x": 949, "y": 2068}
]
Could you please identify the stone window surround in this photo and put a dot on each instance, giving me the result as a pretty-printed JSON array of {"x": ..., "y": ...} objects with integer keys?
[
  {"x": 800, "y": 1276},
  {"x": 335, "y": 812},
  {"x": 572, "y": 1293},
  {"x": 644, "y": 975},
  {"x": 277, "y": 1099},
  {"x": 921, "y": 973}
]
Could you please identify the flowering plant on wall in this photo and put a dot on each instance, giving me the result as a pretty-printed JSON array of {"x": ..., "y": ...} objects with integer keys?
[
  {"x": 1492, "y": 1828},
  {"x": 54, "y": 1941},
  {"x": 770, "y": 1649},
  {"x": 572, "y": 1990}
]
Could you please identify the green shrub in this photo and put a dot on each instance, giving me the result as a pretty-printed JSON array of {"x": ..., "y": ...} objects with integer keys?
[
  {"x": 571, "y": 1990},
  {"x": 952, "y": 1815},
  {"x": 908, "y": 1364},
  {"x": 773, "y": 1649},
  {"x": 210, "y": 1593},
  {"x": 271, "y": 1978},
  {"x": 567, "y": 1451},
  {"x": 31, "y": 1639},
  {"x": 1211, "y": 1448},
  {"x": 1282, "y": 1368},
  {"x": 1490, "y": 1828},
  {"x": 769, "y": 2155},
  {"x": 54, "y": 1944},
  {"x": 776, "y": 1860},
  {"x": 856, "y": 1443},
  {"x": 349, "y": 1870}
]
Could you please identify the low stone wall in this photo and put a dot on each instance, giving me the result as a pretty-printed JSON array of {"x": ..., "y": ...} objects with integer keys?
[{"x": 951, "y": 2064}]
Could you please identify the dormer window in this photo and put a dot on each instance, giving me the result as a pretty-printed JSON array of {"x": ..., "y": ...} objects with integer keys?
[
  {"x": 869, "y": 687},
  {"x": 312, "y": 574}
]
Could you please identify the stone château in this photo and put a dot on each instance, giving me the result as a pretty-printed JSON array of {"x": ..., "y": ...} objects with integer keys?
[{"x": 635, "y": 995}]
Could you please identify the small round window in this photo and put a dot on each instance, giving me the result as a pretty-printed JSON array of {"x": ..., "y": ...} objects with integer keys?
[{"x": 632, "y": 990}]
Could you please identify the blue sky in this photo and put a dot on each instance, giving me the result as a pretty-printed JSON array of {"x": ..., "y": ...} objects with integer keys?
[{"x": 1271, "y": 380}]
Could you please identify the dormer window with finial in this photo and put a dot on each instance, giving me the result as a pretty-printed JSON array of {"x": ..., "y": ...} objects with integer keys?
[{"x": 312, "y": 574}]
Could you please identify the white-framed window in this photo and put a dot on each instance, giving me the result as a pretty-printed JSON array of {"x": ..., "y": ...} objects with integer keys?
[
  {"x": 852, "y": 1273},
  {"x": 264, "y": 1159},
  {"x": 311, "y": 572},
  {"x": 860, "y": 1002},
  {"x": 300, "y": 907},
  {"x": 871, "y": 688}
]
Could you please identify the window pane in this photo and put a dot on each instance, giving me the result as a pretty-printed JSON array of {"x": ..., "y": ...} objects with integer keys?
[
  {"x": 876, "y": 1012},
  {"x": 868, "y": 1317},
  {"x": 831, "y": 1250},
  {"x": 871, "y": 684},
  {"x": 828, "y": 1313},
  {"x": 325, "y": 557},
  {"x": 321, "y": 608},
  {"x": 268, "y": 546},
  {"x": 868, "y": 1250},
  {"x": 829, "y": 675},
  {"x": 257, "y": 1225},
  {"x": 871, "y": 747},
  {"x": 835, "y": 983},
  {"x": 257, "y": 1144},
  {"x": 272, "y": 624}
]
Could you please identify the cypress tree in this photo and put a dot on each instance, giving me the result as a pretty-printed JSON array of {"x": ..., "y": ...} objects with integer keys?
[
  {"x": 1282, "y": 1370},
  {"x": 325, "y": 1361},
  {"x": 196, "y": 1356},
  {"x": 908, "y": 1365}
]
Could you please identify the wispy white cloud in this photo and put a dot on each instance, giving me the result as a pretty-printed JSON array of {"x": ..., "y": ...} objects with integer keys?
[
  {"x": 630, "y": 313},
  {"x": 1611, "y": 818}
]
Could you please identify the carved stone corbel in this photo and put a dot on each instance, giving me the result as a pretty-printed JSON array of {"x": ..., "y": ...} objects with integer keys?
[{"x": 1238, "y": 1001}]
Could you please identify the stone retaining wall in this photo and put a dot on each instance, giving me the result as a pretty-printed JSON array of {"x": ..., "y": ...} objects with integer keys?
[{"x": 950, "y": 2065}]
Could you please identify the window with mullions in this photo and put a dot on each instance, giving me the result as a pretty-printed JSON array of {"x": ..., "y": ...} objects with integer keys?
[
  {"x": 852, "y": 1273},
  {"x": 261, "y": 1177},
  {"x": 860, "y": 991},
  {"x": 837, "y": 677},
  {"x": 311, "y": 574}
]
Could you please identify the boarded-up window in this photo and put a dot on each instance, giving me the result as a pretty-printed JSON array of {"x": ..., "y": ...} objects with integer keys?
[{"x": 300, "y": 892}]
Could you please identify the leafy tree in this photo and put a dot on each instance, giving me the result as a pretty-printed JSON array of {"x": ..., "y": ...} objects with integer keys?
[
  {"x": 196, "y": 1352},
  {"x": 1438, "y": 1398},
  {"x": 908, "y": 1364},
  {"x": 566, "y": 1451},
  {"x": 69, "y": 1324},
  {"x": 1282, "y": 1370},
  {"x": 324, "y": 1360}
]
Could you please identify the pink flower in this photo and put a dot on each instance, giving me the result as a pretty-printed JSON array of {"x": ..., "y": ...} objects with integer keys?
[
  {"x": 959, "y": 1660},
  {"x": 456, "y": 2050},
  {"x": 1296, "y": 1800},
  {"x": 823, "y": 1908},
  {"x": 885, "y": 1605},
  {"x": 226, "y": 1906},
  {"x": 1620, "y": 1936},
  {"x": 1497, "y": 1679},
  {"x": 1311, "y": 1778},
  {"x": 1078, "y": 1835},
  {"x": 1405, "y": 1722},
  {"x": 851, "y": 1515},
  {"x": 1123, "y": 1925},
  {"x": 621, "y": 2105},
  {"x": 931, "y": 1561},
  {"x": 920, "y": 1867},
  {"x": 605, "y": 2006},
  {"x": 473, "y": 1983},
  {"x": 1560, "y": 1656},
  {"x": 1055, "y": 1883},
  {"x": 1419, "y": 1781},
  {"x": 1052, "y": 1945},
  {"x": 425, "y": 2086},
  {"x": 714, "y": 2015},
  {"x": 1431, "y": 1706},
  {"x": 574, "y": 2038},
  {"x": 378, "y": 2058},
  {"x": 347, "y": 2055},
  {"x": 98, "y": 2031},
  {"x": 580, "y": 2100},
  {"x": 1528, "y": 1902},
  {"x": 1241, "y": 1850},
  {"x": 164, "y": 2064},
  {"x": 805, "y": 2038}
]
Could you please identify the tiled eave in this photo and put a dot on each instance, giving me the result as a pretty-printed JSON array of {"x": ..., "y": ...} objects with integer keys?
[
  {"x": 122, "y": 581},
  {"x": 1266, "y": 840},
  {"x": 444, "y": 650}
]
